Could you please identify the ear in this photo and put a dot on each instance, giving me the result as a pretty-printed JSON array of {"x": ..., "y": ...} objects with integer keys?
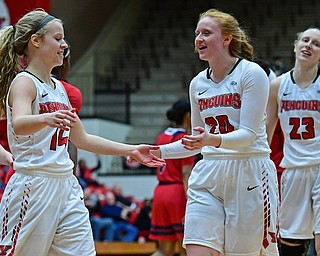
[
  {"x": 227, "y": 40},
  {"x": 35, "y": 40}
]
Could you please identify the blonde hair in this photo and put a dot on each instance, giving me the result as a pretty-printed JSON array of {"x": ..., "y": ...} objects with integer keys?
[
  {"x": 13, "y": 48},
  {"x": 300, "y": 34},
  {"x": 240, "y": 46}
]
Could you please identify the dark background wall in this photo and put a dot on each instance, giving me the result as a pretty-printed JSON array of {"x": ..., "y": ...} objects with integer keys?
[{"x": 83, "y": 20}]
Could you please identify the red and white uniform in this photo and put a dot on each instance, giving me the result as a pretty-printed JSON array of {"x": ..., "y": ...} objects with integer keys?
[
  {"x": 169, "y": 199},
  {"x": 299, "y": 114},
  {"x": 233, "y": 189},
  {"x": 45, "y": 149},
  {"x": 46, "y": 213},
  {"x": 75, "y": 98}
]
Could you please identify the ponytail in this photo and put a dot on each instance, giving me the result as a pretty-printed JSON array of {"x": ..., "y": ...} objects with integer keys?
[
  {"x": 13, "y": 48},
  {"x": 9, "y": 64}
]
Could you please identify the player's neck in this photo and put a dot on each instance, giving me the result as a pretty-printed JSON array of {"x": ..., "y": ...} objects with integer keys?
[
  {"x": 304, "y": 76},
  {"x": 42, "y": 75},
  {"x": 220, "y": 71}
]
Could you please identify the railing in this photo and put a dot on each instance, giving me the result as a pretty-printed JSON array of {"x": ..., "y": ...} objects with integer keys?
[
  {"x": 107, "y": 89},
  {"x": 98, "y": 91}
]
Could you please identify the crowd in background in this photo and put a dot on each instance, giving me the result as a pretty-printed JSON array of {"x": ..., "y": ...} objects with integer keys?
[{"x": 114, "y": 216}]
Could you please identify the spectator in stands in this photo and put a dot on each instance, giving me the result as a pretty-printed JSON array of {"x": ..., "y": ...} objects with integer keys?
[
  {"x": 294, "y": 100},
  {"x": 103, "y": 228},
  {"x": 170, "y": 195},
  {"x": 124, "y": 231},
  {"x": 143, "y": 221},
  {"x": 120, "y": 197},
  {"x": 85, "y": 173}
]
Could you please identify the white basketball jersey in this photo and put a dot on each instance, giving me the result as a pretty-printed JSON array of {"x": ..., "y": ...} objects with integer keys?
[
  {"x": 221, "y": 106},
  {"x": 45, "y": 150},
  {"x": 298, "y": 111}
]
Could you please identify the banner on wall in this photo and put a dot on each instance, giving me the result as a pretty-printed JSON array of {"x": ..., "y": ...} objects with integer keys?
[
  {"x": 4, "y": 14},
  {"x": 16, "y": 11}
]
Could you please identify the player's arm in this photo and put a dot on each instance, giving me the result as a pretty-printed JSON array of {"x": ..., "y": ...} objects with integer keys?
[
  {"x": 21, "y": 96},
  {"x": 177, "y": 149},
  {"x": 93, "y": 143},
  {"x": 272, "y": 108},
  {"x": 100, "y": 145}
]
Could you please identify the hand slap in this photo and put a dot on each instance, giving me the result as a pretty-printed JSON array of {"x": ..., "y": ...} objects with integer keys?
[{"x": 143, "y": 155}]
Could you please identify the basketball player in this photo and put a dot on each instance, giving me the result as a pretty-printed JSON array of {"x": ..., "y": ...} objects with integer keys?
[
  {"x": 42, "y": 209},
  {"x": 75, "y": 98},
  {"x": 294, "y": 99},
  {"x": 169, "y": 199},
  {"x": 232, "y": 194}
]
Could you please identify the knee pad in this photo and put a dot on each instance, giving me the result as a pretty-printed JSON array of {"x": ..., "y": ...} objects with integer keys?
[{"x": 300, "y": 249}]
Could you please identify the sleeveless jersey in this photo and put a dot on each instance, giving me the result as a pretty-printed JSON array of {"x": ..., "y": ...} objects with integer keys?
[
  {"x": 172, "y": 171},
  {"x": 46, "y": 149},
  {"x": 222, "y": 106},
  {"x": 298, "y": 111}
]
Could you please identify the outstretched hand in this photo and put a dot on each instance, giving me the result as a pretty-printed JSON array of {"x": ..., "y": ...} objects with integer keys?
[{"x": 143, "y": 155}]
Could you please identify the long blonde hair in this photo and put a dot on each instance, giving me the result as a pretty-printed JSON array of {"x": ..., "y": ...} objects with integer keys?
[
  {"x": 13, "y": 48},
  {"x": 240, "y": 46}
]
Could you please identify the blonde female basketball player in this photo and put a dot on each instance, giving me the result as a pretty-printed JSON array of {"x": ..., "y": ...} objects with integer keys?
[
  {"x": 42, "y": 210},
  {"x": 294, "y": 99}
]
